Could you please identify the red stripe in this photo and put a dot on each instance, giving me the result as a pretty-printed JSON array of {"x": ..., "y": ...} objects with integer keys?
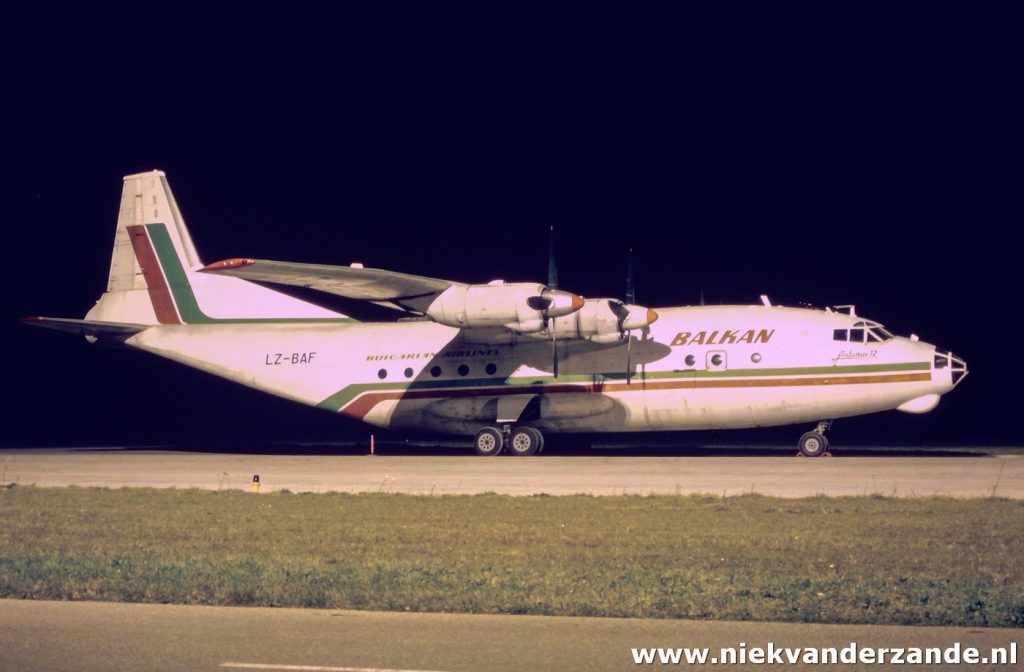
[
  {"x": 159, "y": 293},
  {"x": 364, "y": 404}
]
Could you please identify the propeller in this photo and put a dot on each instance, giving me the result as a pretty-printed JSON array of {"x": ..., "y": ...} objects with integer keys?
[{"x": 631, "y": 316}]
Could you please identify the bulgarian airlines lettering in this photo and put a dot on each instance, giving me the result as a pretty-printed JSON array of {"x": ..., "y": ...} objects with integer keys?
[
  {"x": 723, "y": 337},
  {"x": 406, "y": 355}
]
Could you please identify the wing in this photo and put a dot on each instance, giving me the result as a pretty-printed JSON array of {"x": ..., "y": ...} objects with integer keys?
[
  {"x": 518, "y": 307},
  {"x": 396, "y": 290}
]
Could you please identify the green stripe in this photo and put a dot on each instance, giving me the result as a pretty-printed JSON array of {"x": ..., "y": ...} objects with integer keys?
[
  {"x": 185, "y": 298},
  {"x": 342, "y": 397},
  {"x": 810, "y": 370}
]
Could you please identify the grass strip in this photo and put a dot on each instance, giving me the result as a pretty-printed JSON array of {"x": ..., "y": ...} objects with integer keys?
[{"x": 824, "y": 560}]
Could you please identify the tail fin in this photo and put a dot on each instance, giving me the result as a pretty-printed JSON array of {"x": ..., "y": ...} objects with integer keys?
[{"x": 153, "y": 277}]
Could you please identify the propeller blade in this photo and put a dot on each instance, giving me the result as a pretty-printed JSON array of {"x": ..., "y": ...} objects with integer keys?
[
  {"x": 554, "y": 346},
  {"x": 629, "y": 357},
  {"x": 630, "y": 290},
  {"x": 552, "y": 268}
]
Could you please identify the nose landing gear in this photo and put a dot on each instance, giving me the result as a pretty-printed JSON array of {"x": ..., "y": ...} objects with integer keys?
[{"x": 815, "y": 443}]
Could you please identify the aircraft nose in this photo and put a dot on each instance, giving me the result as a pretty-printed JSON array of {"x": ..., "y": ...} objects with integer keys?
[{"x": 957, "y": 365}]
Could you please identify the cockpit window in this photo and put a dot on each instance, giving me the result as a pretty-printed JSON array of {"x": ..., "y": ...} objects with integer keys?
[
  {"x": 839, "y": 335},
  {"x": 856, "y": 335},
  {"x": 879, "y": 333}
]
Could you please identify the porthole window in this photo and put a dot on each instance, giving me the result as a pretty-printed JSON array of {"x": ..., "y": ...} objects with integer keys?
[
  {"x": 382, "y": 374},
  {"x": 716, "y": 360},
  {"x": 690, "y": 360},
  {"x": 435, "y": 371},
  {"x": 463, "y": 370},
  {"x": 756, "y": 357},
  {"x": 408, "y": 373},
  {"x": 491, "y": 369}
]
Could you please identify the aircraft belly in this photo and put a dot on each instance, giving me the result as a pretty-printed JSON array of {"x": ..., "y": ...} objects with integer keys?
[{"x": 727, "y": 408}]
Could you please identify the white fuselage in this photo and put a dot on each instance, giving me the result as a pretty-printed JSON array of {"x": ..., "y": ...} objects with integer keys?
[{"x": 695, "y": 368}]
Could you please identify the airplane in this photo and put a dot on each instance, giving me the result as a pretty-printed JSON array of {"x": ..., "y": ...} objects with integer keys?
[{"x": 505, "y": 363}]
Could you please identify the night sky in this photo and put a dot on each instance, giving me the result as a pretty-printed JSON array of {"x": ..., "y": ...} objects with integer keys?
[{"x": 820, "y": 153}]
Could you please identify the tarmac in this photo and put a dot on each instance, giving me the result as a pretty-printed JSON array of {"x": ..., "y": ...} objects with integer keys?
[{"x": 899, "y": 474}]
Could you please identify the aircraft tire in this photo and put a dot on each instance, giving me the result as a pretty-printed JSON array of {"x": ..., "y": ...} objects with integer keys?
[
  {"x": 488, "y": 441},
  {"x": 813, "y": 444},
  {"x": 525, "y": 441},
  {"x": 540, "y": 439}
]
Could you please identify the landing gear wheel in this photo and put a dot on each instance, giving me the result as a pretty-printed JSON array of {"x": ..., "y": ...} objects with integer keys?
[
  {"x": 488, "y": 441},
  {"x": 525, "y": 441},
  {"x": 813, "y": 444},
  {"x": 540, "y": 439}
]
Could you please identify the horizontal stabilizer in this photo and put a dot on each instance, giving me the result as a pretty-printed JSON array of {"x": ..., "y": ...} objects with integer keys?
[{"x": 85, "y": 327}]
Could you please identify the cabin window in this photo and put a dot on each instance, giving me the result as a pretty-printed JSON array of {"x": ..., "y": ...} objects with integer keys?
[
  {"x": 382, "y": 374},
  {"x": 840, "y": 335},
  {"x": 856, "y": 335},
  {"x": 435, "y": 371},
  {"x": 408, "y": 373},
  {"x": 715, "y": 360},
  {"x": 756, "y": 358},
  {"x": 463, "y": 370},
  {"x": 690, "y": 360},
  {"x": 491, "y": 369}
]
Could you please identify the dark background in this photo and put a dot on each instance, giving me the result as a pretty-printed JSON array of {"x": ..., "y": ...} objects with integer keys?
[{"x": 820, "y": 153}]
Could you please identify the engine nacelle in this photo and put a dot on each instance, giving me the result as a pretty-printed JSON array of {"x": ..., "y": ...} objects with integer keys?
[
  {"x": 523, "y": 307},
  {"x": 604, "y": 321}
]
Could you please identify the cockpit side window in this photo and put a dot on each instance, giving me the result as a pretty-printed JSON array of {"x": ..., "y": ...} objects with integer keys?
[{"x": 863, "y": 332}]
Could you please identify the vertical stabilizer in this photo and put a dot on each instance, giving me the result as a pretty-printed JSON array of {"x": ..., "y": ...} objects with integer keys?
[
  {"x": 146, "y": 198},
  {"x": 153, "y": 277}
]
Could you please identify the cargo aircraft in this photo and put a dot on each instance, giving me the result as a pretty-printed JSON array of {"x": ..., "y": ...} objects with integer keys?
[{"x": 505, "y": 363}]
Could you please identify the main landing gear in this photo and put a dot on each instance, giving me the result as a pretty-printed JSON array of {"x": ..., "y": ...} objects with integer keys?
[
  {"x": 815, "y": 443},
  {"x": 519, "y": 440}
]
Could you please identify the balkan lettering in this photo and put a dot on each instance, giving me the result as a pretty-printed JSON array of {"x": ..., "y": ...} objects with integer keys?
[{"x": 723, "y": 337}]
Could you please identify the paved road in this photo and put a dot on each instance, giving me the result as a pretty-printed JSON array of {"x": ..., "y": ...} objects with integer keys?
[
  {"x": 86, "y": 636},
  {"x": 901, "y": 475}
]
